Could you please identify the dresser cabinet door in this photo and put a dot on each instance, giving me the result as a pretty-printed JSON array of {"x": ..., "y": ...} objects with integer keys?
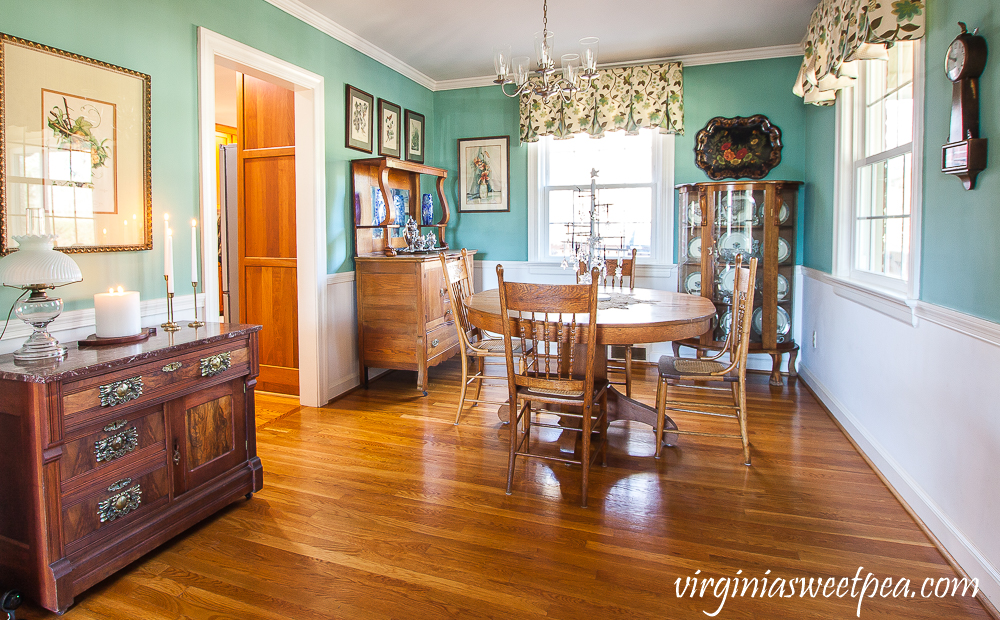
[{"x": 208, "y": 431}]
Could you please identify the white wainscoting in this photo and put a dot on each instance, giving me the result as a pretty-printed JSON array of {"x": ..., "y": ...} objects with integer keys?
[
  {"x": 78, "y": 324},
  {"x": 919, "y": 397}
]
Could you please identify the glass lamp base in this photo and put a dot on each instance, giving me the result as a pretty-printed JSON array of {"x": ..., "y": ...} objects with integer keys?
[
  {"x": 38, "y": 310},
  {"x": 40, "y": 346}
]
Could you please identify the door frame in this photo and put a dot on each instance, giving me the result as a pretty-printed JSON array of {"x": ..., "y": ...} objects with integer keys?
[{"x": 310, "y": 192}]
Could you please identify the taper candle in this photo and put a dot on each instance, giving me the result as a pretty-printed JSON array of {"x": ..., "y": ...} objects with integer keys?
[
  {"x": 194, "y": 251},
  {"x": 168, "y": 249}
]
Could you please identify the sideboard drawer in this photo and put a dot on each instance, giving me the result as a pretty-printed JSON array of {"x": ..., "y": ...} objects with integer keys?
[
  {"x": 113, "y": 442},
  {"x": 106, "y": 508},
  {"x": 440, "y": 340},
  {"x": 84, "y": 400}
]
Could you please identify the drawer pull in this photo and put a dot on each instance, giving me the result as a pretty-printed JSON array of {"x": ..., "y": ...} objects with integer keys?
[
  {"x": 114, "y": 426},
  {"x": 172, "y": 366},
  {"x": 435, "y": 342},
  {"x": 121, "y": 391},
  {"x": 120, "y": 504},
  {"x": 116, "y": 446},
  {"x": 214, "y": 364}
]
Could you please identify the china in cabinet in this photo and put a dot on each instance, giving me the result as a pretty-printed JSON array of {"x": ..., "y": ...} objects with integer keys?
[{"x": 721, "y": 221}]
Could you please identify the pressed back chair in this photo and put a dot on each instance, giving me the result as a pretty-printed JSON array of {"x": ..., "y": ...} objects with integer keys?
[
  {"x": 558, "y": 370},
  {"x": 618, "y": 281},
  {"x": 473, "y": 343},
  {"x": 713, "y": 371}
]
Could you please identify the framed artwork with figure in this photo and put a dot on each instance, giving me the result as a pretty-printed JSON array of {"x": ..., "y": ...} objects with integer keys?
[
  {"x": 389, "y": 129},
  {"x": 75, "y": 150},
  {"x": 415, "y": 129},
  {"x": 484, "y": 174},
  {"x": 360, "y": 113}
]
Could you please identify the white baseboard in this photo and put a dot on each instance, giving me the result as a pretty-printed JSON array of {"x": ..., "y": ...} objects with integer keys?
[{"x": 965, "y": 553}]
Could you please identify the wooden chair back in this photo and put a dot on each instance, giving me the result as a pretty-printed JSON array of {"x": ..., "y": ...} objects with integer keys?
[
  {"x": 611, "y": 271},
  {"x": 557, "y": 319},
  {"x": 742, "y": 310},
  {"x": 458, "y": 282}
]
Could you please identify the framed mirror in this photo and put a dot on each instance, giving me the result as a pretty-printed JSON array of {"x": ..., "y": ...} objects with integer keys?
[{"x": 74, "y": 150}]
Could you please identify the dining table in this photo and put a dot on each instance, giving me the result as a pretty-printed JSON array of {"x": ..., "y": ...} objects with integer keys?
[{"x": 624, "y": 317}]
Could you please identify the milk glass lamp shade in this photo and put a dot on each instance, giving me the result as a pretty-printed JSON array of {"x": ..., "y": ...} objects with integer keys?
[{"x": 36, "y": 266}]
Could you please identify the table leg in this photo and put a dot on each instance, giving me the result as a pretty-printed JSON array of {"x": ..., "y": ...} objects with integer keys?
[{"x": 621, "y": 407}]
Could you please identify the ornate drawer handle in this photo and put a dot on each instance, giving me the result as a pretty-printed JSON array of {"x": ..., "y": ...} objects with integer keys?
[
  {"x": 172, "y": 366},
  {"x": 120, "y": 504},
  {"x": 214, "y": 364},
  {"x": 435, "y": 342},
  {"x": 121, "y": 391},
  {"x": 117, "y": 445}
]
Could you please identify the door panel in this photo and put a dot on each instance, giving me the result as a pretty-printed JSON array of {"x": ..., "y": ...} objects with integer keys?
[
  {"x": 269, "y": 291},
  {"x": 205, "y": 426}
]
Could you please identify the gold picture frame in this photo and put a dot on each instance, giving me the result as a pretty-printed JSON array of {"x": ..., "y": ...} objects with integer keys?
[{"x": 74, "y": 150}]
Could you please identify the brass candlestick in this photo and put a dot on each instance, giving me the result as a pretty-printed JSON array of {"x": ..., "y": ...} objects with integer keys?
[
  {"x": 170, "y": 326},
  {"x": 196, "y": 323}
]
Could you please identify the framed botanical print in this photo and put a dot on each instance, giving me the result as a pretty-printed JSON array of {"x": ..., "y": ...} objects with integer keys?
[
  {"x": 484, "y": 174},
  {"x": 415, "y": 136},
  {"x": 389, "y": 127},
  {"x": 74, "y": 150},
  {"x": 360, "y": 112}
]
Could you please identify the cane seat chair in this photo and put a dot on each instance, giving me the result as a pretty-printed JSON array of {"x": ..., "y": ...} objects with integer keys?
[
  {"x": 474, "y": 345},
  {"x": 711, "y": 370},
  {"x": 556, "y": 371},
  {"x": 621, "y": 367}
]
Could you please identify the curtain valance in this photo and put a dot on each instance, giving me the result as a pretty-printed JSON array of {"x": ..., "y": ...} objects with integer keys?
[
  {"x": 842, "y": 32},
  {"x": 625, "y": 98}
]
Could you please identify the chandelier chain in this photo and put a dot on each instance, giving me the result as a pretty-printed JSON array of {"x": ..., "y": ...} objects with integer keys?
[{"x": 545, "y": 17}]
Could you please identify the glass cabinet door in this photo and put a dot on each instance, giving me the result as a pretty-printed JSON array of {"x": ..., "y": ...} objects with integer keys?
[{"x": 737, "y": 231}]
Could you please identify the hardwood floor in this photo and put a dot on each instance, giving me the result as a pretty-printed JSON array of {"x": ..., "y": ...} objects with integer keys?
[{"x": 377, "y": 507}]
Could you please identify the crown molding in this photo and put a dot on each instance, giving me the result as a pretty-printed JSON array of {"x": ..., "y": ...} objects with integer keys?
[
  {"x": 324, "y": 24},
  {"x": 689, "y": 60}
]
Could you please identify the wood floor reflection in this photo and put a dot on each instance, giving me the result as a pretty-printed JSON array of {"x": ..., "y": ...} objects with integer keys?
[{"x": 378, "y": 507}]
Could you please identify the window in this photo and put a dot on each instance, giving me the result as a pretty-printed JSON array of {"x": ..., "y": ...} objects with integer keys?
[
  {"x": 880, "y": 132},
  {"x": 633, "y": 181}
]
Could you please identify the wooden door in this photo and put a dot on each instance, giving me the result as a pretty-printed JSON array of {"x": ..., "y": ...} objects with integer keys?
[
  {"x": 269, "y": 288},
  {"x": 209, "y": 434}
]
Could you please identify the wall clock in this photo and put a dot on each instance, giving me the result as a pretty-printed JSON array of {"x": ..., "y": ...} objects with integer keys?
[{"x": 965, "y": 153}]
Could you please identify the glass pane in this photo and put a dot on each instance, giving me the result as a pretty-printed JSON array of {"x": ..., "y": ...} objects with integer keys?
[
  {"x": 883, "y": 217},
  {"x": 617, "y": 157},
  {"x": 889, "y": 100},
  {"x": 625, "y": 217}
]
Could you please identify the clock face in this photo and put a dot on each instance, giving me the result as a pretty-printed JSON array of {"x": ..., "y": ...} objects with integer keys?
[{"x": 954, "y": 62}]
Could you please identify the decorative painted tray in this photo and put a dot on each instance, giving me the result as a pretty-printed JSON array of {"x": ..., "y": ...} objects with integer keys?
[{"x": 737, "y": 148}]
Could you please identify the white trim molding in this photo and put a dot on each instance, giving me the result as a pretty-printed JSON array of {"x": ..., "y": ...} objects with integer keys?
[
  {"x": 312, "y": 17},
  {"x": 310, "y": 190},
  {"x": 688, "y": 60}
]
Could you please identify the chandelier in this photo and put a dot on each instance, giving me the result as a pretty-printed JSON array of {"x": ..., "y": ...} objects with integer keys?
[{"x": 546, "y": 81}]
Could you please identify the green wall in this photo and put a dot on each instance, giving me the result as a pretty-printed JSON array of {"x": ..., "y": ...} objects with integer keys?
[
  {"x": 477, "y": 113},
  {"x": 960, "y": 260},
  {"x": 159, "y": 37},
  {"x": 730, "y": 89}
]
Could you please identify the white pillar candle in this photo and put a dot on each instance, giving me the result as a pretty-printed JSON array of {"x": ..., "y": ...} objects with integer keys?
[
  {"x": 169, "y": 270},
  {"x": 194, "y": 251},
  {"x": 117, "y": 313}
]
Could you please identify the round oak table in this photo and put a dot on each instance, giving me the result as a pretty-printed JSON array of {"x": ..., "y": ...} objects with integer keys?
[{"x": 653, "y": 316}]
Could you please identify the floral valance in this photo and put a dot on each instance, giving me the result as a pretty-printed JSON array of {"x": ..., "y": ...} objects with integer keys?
[
  {"x": 625, "y": 98},
  {"x": 842, "y": 32}
]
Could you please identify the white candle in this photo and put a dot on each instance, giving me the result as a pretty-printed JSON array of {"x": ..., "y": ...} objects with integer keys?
[
  {"x": 194, "y": 251},
  {"x": 117, "y": 313},
  {"x": 168, "y": 249}
]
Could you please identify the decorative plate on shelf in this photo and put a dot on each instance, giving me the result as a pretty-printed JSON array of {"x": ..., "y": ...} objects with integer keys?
[
  {"x": 694, "y": 213},
  {"x": 725, "y": 322},
  {"x": 727, "y": 280},
  {"x": 784, "y": 250},
  {"x": 784, "y": 323},
  {"x": 737, "y": 148},
  {"x": 694, "y": 248},
  {"x": 735, "y": 243},
  {"x": 739, "y": 208},
  {"x": 782, "y": 287},
  {"x": 692, "y": 283},
  {"x": 783, "y": 212}
]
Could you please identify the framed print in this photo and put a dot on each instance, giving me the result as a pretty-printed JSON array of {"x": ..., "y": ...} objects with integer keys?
[
  {"x": 484, "y": 174},
  {"x": 360, "y": 112},
  {"x": 74, "y": 150},
  {"x": 737, "y": 148},
  {"x": 389, "y": 127},
  {"x": 415, "y": 136}
]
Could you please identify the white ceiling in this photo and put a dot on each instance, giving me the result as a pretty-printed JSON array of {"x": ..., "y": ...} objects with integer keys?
[{"x": 453, "y": 39}]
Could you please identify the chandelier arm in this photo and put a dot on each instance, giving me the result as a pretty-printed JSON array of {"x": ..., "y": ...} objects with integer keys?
[{"x": 516, "y": 93}]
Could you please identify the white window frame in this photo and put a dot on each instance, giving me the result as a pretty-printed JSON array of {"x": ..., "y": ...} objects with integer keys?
[
  {"x": 849, "y": 142},
  {"x": 661, "y": 239}
]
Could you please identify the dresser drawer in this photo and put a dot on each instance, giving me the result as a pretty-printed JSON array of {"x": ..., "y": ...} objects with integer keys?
[
  {"x": 440, "y": 340},
  {"x": 111, "y": 443},
  {"x": 86, "y": 400},
  {"x": 101, "y": 510}
]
